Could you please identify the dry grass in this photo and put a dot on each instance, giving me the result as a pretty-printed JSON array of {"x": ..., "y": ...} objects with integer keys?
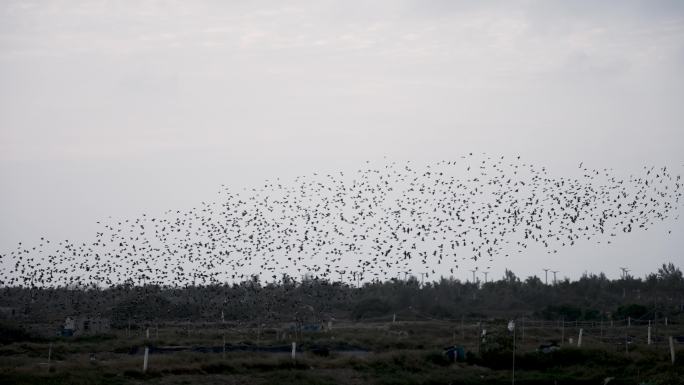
[{"x": 401, "y": 353}]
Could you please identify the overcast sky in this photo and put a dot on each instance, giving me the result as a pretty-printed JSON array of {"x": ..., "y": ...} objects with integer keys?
[{"x": 128, "y": 107}]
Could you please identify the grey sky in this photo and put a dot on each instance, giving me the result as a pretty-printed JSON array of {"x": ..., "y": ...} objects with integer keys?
[{"x": 124, "y": 107}]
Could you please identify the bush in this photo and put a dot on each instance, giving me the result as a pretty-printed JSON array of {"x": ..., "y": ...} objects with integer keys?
[
  {"x": 437, "y": 358},
  {"x": 634, "y": 311},
  {"x": 371, "y": 307},
  {"x": 10, "y": 333}
]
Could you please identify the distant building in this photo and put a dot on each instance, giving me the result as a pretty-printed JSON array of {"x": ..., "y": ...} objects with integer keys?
[{"x": 79, "y": 326}]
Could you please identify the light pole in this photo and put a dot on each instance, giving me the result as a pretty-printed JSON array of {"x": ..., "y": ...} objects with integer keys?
[
  {"x": 625, "y": 271},
  {"x": 554, "y": 275},
  {"x": 546, "y": 276},
  {"x": 511, "y": 327}
]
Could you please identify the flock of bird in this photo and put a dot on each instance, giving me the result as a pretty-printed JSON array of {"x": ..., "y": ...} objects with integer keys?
[{"x": 373, "y": 223}]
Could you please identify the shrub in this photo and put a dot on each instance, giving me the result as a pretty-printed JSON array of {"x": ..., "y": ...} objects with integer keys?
[{"x": 13, "y": 333}]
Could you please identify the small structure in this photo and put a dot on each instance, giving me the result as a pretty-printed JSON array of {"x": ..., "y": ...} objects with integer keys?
[
  {"x": 79, "y": 326},
  {"x": 455, "y": 353}
]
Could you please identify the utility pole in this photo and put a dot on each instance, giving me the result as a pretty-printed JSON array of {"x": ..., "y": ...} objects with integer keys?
[
  {"x": 625, "y": 272},
  {"x": 475, "y": 283},
  {"x": 546, "y": 276},
  {"x": 554, "y": 275}
]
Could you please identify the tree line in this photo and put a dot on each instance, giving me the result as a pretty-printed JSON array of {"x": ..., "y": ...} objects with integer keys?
[{"x": 592, "y": 297}]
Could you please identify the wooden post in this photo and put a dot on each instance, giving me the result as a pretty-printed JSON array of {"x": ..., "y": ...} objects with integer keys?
[
  {"x": 294, "y": 350},
  {"x": 579, "y": 339},
  {"x": 648, "y": 339},
  {"x": 147, "y": 352},
  {"x": 49, "y": 356},
  {"x": 672, "y": 350}
]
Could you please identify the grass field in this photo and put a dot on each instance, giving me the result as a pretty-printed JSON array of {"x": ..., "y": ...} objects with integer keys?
[{"x": 351, "y": 353}]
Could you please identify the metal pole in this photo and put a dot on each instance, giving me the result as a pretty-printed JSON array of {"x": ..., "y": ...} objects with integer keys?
[
  {"x": 523, "y": 330},
  {"x": 562, "y": 330},
  {"x": 626, "y": 343},
  {"x": 513, "y": 377}
]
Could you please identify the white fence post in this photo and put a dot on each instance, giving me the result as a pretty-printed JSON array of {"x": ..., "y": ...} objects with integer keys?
[
  {"x": 579, "y": 339},
  {"x": 147, "y": 352},
  {"x": 294, "y": 350}
]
